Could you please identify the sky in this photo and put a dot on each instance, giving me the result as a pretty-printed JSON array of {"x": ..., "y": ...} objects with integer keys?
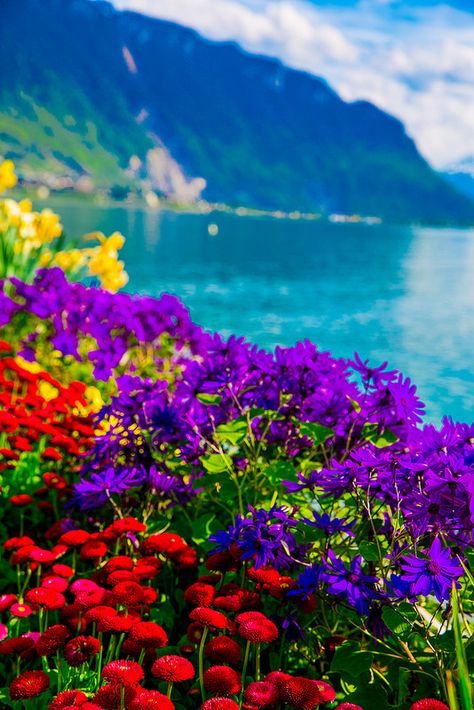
[{"x": 412, "y": 58}]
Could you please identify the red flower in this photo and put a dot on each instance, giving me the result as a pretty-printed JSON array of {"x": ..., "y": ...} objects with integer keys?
[
  {"x": 301, "y": 693},
  {"x": 122, "y": 575},
  {"x": 223, "y": 649},
  {"x": 20, "y": 610},
  {"x": 59, "y": 584},
  {"x": 63, "y": 571},
  {"x": 428, "y": 704},
  {"x": 221, "y": 562},
  {"x": 199, "y": 594},
  {"x": 262, "y": 694},
  {"x": 209, "y": 617},
  {"x": 52, "y": 454},
  {"x": 93, "y": 550},
  {"x": 44, "y": 557},
  {"x": 219, "y": 704},
  {"x": 80, "y": 650},
  {"x": 231, "y": 602},
  {"x": 97, "y": 613},
  {"x": 151, "y": 700},
  {"x": 167, "y": 544},
  {"x": 125, "y": 672},
  {"x": 17, "y": 645},
  {"x": 328, "y": 694},
  {"x": 29, "y": 684},
  {"x": 263, "y": 575},
  {"x": 173, "y": 669},
  {"x": 147, "y": 567},
  {"x": 54, "y": 480},
  {"x": 67, "y": 699},
  {"x": 148, "y": 635},
  {"x": 48, "y": 598},
  {"x": 14, "y": 543},
  {"x": 127, "y": 593},
  {"x": 6, "y": 601},
  {"x": 74, "y": 537},
  {"x": 109, "y": 696},
  {"x": 117, "y": 622},
  {"x": 222, "y": 680},
  {"x": 349, "y": 706},
  {"x": 125, "y": 525},
  {"x": 118, "y": 562},
  {"x": 185, "y": 558},
  {"x": 51, "y": 639},
  {"x": 258, "y": 630},
  {"x": 21, "y": 500}
]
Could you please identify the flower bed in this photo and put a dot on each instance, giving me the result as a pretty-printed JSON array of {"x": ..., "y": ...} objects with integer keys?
[{"x": 192, "y": 522}]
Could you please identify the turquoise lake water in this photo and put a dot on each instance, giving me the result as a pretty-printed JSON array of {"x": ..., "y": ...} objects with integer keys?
[{"x": 402, "y": 294}]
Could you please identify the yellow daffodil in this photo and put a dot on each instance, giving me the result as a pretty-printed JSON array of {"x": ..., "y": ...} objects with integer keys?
[{"x": 8, "y": 178}]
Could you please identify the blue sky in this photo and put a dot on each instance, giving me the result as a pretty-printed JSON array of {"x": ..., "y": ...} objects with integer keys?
[{"x": 414, "y": 59}]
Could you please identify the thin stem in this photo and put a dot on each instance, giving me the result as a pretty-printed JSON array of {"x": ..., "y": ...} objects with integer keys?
[{"x": 201, "y": 662}]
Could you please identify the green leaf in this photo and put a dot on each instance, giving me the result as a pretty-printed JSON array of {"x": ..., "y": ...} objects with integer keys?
[
  {"x": 208, "y": 398},
  {"x": 281, "y": 471},
  {"x": 355, "y": 404},
  {"x": 369, "y": 551},
  {"x": 350, "y": 662},
  {"x": 395, "y": 622},
  {"x": 465, "y": 685},
  {"x": 370, "y": 432},
  {"x": 317, "y": 432},
  {"x": 234, "y": 432},
  {"x": 216, "y": 463}
]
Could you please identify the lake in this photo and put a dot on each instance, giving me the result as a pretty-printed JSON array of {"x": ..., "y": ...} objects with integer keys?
[{"x": 402, "y": 294}]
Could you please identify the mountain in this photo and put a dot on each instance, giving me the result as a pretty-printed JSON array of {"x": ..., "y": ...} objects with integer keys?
[
  {"x": 117, "y": 96},
  {"x": 461, "y": 176}
]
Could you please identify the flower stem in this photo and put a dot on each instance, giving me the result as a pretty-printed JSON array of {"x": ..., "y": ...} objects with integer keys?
[{"x": 201, "y": 662}]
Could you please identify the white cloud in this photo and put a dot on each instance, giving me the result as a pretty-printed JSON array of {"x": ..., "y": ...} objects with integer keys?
[{"x": 416, "y": 63}]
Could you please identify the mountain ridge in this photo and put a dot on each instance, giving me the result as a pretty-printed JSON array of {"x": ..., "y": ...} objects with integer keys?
[{"x": 257, "y": 132}]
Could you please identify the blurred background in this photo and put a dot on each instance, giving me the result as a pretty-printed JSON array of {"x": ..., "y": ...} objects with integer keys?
[{"x": 290, "y": 169}]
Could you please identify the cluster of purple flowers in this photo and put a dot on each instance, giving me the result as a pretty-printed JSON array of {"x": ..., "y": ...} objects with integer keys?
[
  {"x": 115, "y": 322},
  {"x": 351, "y": 434}
]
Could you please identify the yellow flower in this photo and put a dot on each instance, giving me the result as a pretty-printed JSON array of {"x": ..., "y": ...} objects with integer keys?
[
  {"x": 7, "y": 175},
  {"x": 94, "y": 398},
  {"x": 104, "y": 261},
  {"x": 71, "y": 260},
  {"x": 48, "y": 226},
  {"x": 47, "y": 391}
]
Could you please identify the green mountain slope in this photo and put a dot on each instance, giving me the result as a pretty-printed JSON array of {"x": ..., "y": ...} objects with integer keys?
[{"x": 84, "y": 88}]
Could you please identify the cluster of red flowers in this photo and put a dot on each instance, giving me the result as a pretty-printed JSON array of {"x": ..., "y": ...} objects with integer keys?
[
  {"x": 38, "y": 414},
  {"x": 102, "y": 621}
]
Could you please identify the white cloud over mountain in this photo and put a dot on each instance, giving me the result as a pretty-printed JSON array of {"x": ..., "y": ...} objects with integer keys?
[{"x": 415, "y": 61}]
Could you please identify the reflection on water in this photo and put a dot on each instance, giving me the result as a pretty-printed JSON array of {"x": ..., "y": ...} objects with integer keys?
[{"x": 400, "y": 294}]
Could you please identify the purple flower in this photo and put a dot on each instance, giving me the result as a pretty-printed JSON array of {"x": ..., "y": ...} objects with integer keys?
[
  {"x": 433, "y": 574},
  {"x": 351, "y": 584},
  {"x": 93, "y": 493},
  {"x": 331, "y": 526}
]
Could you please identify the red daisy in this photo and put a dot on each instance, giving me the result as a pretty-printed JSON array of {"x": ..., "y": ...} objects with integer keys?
[
  {"x": 147, "y": 634},
  {"x": 262, "y": 693},
  {"x": 126, "y": 672},
  {"x": 29, "y": 684},
  {"x": 209, "y": 617},
  {"x": 428, "y": 704},
  {"x": 173, "y": 669},
  {"x": 199, "y": 594},
  {"x": 222, "y": 680},
  {"x": 223, "y": 649},
  {"x": 219, "y": 704},
  {"x": 80, "y": 650}
]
